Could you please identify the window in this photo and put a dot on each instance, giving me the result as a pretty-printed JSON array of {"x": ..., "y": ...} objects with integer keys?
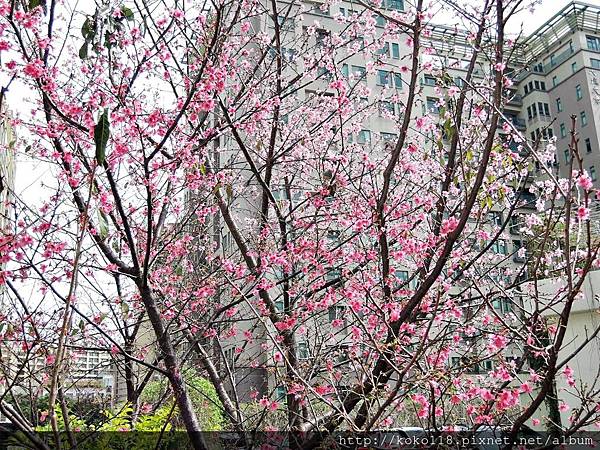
[
  {"x": 401, "y": 275},
  {"x": 289, "y": 54},
  {"x": 593, "y": 43},
  {"x": 571, "y": 49},
  {"x": 345, "y": 71},
  {"x": 495, "y": 218},
  {"x": 432, "y": 105},
  {"x": 285, "y": 23},
  {"x": 364, "y": 137},
  {"x": 324, "y": 73},
  {"x": 529, "y": 115},
  {"x": 552, "y": 60},
  {"x": 593, "y": 175},
  {"x": 379, "y": 20},
  {"x": 567, "y": 156},
  {"x": 588, "y": 145},
  {"x": 303, "y": 352},
  {"x": 385, "y": 50},
  {"x": 332, "y": 273},
  {"x": 539, "y": 68},
  {"x": 499, "y": 247},
  {"x": 502, "y": 305},
  {"x": 429, "y": 80},
  {"x": 543, "y": 85},
  {"x": 386, "y": 108},
  {"x": 383, "y": 78},
  {"x": 578, "y": 92},
  {"x": 322, "y": 36},
  {"x": 554, "y": 80},
  {"x": 584, "y": 120},
  {"x": 360, "y": 72},
  {"x": 280, "y": 394},
  {"x": 336, "y": 312},
  {"x": 487, "y": 365},
  {"x": 514, "y": 225},
  {"x": 279, "y": 305},
  {"x": 574, "y": 67},
  {"x": 321, "y": 10},
  {"x": 559, "y": 106},
  {"x": 230, "y": 357},
  {"x": 533, "y": 110},
  {"x": 395, "y": 51},
  {"x": 526, "y": 89},
  {"x": 389, "y": 137},
  {"x": 563, "y": 130},
  {"x": 595, "y": 63},
  {"x": 398, "y": 80},
  {"x": 536, "y": 83},
  {"x": 398, "y": 5}
]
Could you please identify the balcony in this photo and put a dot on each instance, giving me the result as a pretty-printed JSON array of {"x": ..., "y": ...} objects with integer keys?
[
  {"x": 516, "y": 100},
  {"x": 518, "y": 123}
]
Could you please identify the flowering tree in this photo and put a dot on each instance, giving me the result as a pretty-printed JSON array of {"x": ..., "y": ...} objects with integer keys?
[{"x": 210, "y": 182}]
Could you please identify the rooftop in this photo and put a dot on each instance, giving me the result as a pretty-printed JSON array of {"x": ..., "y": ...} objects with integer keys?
[{"x": 573, "y": 17}]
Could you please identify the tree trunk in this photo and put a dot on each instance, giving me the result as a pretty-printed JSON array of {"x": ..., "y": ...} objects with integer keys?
[{"x": 182, "y": 399}]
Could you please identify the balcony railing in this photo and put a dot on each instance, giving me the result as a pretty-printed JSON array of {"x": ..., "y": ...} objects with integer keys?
[{"x": 515, "y": 100}]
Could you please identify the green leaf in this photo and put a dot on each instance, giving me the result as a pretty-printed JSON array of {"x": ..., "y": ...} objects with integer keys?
[
  {"x": 101, "y": 134},
  {"x": 229, "y": 191},
  {"x": 87, "y": 30},
  {"x": 83, "y": 51},
  {"x": 107, "y": 41},
  {"x": 127, "y": 13},
  {"x": 34, "y": 4},
  {"x": 203, "y": 169},
  {"x": 124, "y": 308},
  {"x": 103, "y": 223}
]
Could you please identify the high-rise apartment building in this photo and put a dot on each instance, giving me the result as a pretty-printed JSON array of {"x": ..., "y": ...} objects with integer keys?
[
  {"x": 563, "y": 80},
  {"x": 556, "y": 73}
]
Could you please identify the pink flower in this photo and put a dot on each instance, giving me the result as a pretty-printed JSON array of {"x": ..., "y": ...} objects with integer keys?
[
  {"x": 563, "y": 407},
  {"x": 585, "y": 181},
  {"x": 323, "y": 390},
  {"x": 278, "y": 357},
  {"x": 50, "y": 359},
  {"x": 245, "y": 27},
  {"x": 35, "y": 68},
  {"x": 273, "y": 406},
  {"x": 535, "y": 422},
  {"x": 525, "y": 388},
  {"x": 583, "y": 213},
  {"x": 448, "y": 226}
]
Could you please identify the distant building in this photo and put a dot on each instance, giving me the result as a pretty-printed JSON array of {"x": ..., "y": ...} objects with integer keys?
[{"x": 7, "y": 168}]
